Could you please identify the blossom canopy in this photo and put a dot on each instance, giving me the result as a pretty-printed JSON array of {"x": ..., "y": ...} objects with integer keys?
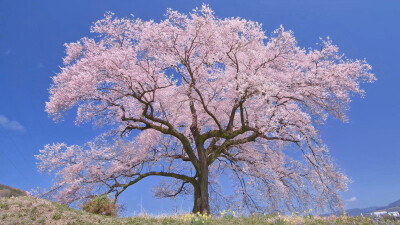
[{"x": 194, "y": 97}]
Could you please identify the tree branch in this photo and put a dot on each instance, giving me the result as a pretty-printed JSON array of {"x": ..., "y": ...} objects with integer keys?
[{"x": 142, "y": 176}]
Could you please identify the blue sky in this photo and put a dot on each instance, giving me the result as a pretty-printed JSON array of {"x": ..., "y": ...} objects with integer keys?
[{"x": 32, "y": 34}]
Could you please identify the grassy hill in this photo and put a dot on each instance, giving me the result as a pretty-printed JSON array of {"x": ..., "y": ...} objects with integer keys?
[
  {"x": 29, "y": 210},
  {"x": 6, "y": 191}
]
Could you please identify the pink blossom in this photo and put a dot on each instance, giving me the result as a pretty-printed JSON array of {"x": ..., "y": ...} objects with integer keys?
[{"x": 194, "y": 96}]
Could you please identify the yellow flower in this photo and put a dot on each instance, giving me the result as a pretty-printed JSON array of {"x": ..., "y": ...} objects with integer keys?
[{"x": 310, "y": 210}]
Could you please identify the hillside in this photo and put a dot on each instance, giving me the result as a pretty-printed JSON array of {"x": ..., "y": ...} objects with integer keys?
[
  {"x": 29, "y": 210},
  {"x": 392, "y": 207},
  {"x": 395, "y": 206},
  {"x": 6, "y": 191}
]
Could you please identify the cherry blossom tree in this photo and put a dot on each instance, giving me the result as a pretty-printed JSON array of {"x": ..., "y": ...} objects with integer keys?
[{"x": 194, "y": 97}]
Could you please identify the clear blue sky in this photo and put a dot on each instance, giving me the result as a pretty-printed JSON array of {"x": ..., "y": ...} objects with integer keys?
[{"x": 32, "y": 34}]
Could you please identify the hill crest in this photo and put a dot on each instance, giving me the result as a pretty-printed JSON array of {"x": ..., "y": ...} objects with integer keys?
[{"x": 7, "y": 191}]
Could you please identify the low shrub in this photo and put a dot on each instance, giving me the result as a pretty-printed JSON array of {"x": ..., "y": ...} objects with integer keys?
[
  {"x": 57, "y": 216},
  {"x": 101, "y": 205}
]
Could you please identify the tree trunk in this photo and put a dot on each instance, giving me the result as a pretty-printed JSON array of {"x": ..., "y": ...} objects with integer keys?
[{"x": 201, "y": 203}]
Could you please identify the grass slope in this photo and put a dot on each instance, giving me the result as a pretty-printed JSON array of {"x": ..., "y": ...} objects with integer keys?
[
  {"x": 28, "y": 210},
  {"x": 6, "y": 191}
]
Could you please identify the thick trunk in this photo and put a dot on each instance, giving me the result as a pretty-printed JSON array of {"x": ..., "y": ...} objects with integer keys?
[{"x": 201, "y": 203}]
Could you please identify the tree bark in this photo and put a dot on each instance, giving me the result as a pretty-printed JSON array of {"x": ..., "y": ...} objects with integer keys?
[{"x": 201, "y": 203}]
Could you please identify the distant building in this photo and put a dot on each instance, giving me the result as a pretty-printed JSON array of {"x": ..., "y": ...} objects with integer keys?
[
  {"x": 379, "y": 213},
  {"x": 396, "y": 214}
]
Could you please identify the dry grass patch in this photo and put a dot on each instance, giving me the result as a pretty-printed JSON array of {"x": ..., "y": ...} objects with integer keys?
[{"x": 28, "y": 210}]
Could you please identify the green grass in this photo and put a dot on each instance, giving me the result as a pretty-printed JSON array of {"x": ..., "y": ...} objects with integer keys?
[{"x": 28, "y": 210}]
